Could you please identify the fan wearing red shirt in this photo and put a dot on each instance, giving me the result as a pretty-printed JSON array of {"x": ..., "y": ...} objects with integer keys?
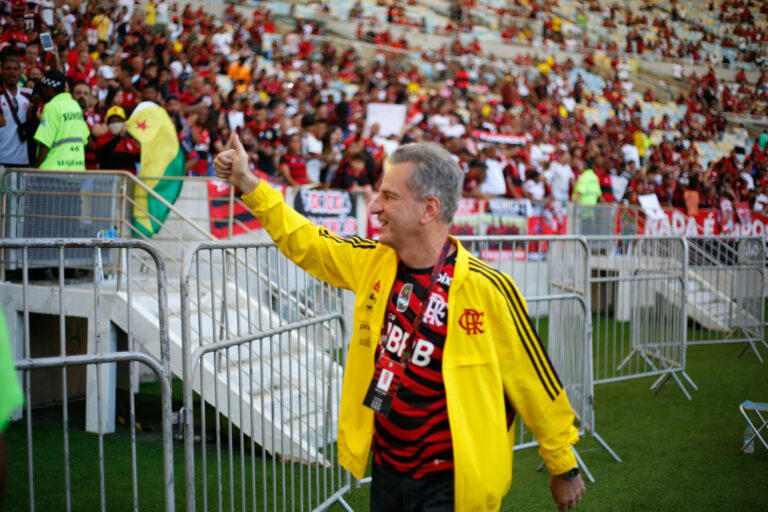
[
  {"x": 665, "y": 190},
  {"x": 117, "y": 150},
  {"x": 82, "y": 69},
  {"x": 16, "y": 34},
  {"x": 293, "y": 166}
]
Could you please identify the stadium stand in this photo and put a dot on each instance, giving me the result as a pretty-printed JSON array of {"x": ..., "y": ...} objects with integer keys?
[{"x": 277, "y": 70}]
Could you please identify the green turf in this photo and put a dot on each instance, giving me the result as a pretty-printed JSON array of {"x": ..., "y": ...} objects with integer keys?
[{"x": 678, "y": 454}]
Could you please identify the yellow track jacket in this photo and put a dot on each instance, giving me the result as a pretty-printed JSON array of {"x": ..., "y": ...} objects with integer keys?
[{"x": 491, "y": 350}]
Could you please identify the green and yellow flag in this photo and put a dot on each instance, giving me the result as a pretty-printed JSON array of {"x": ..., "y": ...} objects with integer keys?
[{"x": 161, "y": 157}]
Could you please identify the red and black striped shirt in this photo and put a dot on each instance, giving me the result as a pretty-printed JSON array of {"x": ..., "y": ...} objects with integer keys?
[
  {"x": 297, "y": 167},
  {"x": 415, "y": 439}
]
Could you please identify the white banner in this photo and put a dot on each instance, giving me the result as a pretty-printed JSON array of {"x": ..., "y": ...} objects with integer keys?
[{"x": 389, "y": 116}]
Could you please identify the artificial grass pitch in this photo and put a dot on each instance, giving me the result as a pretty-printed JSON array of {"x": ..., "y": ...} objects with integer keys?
[{"x": 677, "y": 454}]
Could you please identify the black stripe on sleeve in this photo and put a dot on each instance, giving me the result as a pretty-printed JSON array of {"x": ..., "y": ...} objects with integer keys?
[
  {"x": 510, "y": 286},
  {"x": 354, "y": 241}
]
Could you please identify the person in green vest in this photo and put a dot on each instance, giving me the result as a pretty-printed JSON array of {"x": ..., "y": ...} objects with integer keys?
[
  {"x": 587, "y": 190},
  {"x": 63, "y": 132},
  {"x": 586, "y": 194},
  {"x": 11, "y": 397}
]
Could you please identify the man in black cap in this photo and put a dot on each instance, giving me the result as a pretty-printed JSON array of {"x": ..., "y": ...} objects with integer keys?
[{"x": 63, "y": 132}]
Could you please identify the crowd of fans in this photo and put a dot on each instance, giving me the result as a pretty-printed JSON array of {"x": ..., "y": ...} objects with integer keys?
[
  {"x": 299, "y": 105},
  {"x": 740, "y": 97},
  {"x": 650, "y": 28},
  {"x": 656, "y": 28}
]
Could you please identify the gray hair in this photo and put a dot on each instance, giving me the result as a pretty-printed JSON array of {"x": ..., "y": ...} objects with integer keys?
[{"x": 434, "y": 173}]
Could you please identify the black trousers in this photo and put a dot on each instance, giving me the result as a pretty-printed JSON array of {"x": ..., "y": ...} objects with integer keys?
[{"x": 393, "y": 492}]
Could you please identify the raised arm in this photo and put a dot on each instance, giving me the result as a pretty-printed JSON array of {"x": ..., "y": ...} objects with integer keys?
[{"x": 323, "y": 254}]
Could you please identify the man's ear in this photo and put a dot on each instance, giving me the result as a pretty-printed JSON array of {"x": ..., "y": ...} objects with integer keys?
[{"x": 432, "y": 209}]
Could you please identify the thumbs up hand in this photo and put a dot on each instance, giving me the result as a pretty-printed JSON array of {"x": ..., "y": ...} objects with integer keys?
[{"x": 231, "y": 165}]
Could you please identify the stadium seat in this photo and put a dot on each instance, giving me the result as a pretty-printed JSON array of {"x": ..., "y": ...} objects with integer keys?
[{"x": 756, "y": 414}]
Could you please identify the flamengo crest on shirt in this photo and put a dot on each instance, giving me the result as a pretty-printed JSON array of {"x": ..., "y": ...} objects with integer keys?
[
  {"x": 436, "y": 311},
  {"x": 471, "y": 320}
]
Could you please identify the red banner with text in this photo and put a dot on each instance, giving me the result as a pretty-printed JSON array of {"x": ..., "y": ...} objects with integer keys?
[{"x": 736, "y": 219}]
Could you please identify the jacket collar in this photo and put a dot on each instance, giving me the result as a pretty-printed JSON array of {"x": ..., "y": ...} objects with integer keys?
[{"x": 461, "y": 269}]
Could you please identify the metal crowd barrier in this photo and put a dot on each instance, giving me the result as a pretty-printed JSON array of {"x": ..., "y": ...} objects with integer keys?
[
  {"x": 726, "y": 295},
  {"x": 638, "y": 290},
  {"x": 264, "y": 350},
  {"x": 552, "y": 273},
  {"x": 59, "y": 205},
  {"x": 93, "y": 342}
]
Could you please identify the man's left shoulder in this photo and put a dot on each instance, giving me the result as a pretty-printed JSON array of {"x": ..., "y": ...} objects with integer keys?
[{"x": 488, "y": 279}]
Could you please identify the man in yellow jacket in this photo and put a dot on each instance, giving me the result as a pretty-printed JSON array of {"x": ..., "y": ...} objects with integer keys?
[{"x": 443, "y": 355}]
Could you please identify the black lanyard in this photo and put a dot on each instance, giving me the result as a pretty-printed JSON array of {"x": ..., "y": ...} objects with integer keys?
[{"x": 420, "y": 314}]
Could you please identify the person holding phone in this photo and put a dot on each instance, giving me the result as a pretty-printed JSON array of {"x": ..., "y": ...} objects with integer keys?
[
  {"x": 46, "y": 41},
  {"x": 14, "y": 106}
]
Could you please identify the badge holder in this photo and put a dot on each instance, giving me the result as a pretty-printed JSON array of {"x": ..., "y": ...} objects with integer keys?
[{"x": 384, "y": 386}]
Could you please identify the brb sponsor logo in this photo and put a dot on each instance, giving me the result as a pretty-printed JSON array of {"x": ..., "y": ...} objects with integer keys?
[{"x": 397, "y": 339}]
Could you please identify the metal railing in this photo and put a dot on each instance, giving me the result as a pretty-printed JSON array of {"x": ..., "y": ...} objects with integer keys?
[
  {"x": 726, "y": 294},
  {"x": 639, "y": 307},
  {"x": 552, "y": 274},
  {"x": 272, "y": 365},
  {"x": 102, "y": 204},
  {"x": 89, "y": 308}
]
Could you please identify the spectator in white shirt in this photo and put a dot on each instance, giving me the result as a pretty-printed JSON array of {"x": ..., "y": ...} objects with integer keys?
[
  {"x": 455, "y": 127},
  {"x": 68, "y": 20},
  {"x": 45, "y": 9},
  {"x": 534, "y": 188},
  {"x": 560, "y": 176},
  {"x": 761, "y": 200},
  {"x": 14, "y": 107},
  {"x": 630, "y": 152},
  {"x": 540, "y": 152},
  {"x": 494, "y": 184},
  {"x": 222, "y": 41},
  {"x": 162, "y": 17},
  {"x": 129, "y": 6},
  {"x": 312, "y": 145},
  {"x": 442, "y": 118}
]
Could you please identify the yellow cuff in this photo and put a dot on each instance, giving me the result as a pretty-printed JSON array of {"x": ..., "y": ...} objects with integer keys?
[{"x": 257, "y": 196}]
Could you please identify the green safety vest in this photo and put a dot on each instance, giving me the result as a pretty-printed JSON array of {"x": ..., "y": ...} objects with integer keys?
[
  {"x": 64, "y": 131},
  {"x": 588, "y": 188}
]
